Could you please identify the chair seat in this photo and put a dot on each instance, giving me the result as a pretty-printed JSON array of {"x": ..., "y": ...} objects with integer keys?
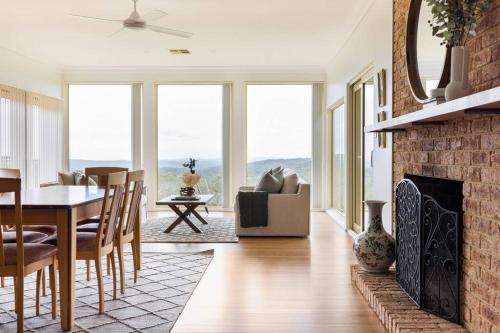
[
  {"x": 9, "y": 237},
  {"x": 32, "y": 253},
  {"x": 88, "y": 227},
  {"x": 85, "y": 241},
  {"x": 49, "y": 230}
]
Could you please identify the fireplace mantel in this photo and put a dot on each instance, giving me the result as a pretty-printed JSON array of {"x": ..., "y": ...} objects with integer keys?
[{"x": 481, "y": 102}]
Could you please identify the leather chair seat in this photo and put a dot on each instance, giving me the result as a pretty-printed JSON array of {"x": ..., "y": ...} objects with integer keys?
[
  {"x": 33, "y": 252},
  {"x": 49, "y": 230},
  {"x": 9, "y": 237},
  {"x": 85, "y": 241},
  {"x": 88, "y": 227}
]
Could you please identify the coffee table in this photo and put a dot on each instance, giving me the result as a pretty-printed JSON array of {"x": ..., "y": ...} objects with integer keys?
[{"x": 190, "y": 209}]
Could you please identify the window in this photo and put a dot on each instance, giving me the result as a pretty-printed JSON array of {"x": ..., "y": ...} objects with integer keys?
[
  {"x": 338, "y": 158},
  {"x": 100, "y": 125},
  {"x": 279, "y": 129},
  {"x": 191, "y": 125}
]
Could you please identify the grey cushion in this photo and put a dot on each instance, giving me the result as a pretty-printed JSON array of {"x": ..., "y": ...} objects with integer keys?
[
  {"x": 268, "y": 183},
  {"x": 66, "y": 178},
  {"x": 290, "y": 182},
  {"x": 279, "y": 173},
  {"x": 81, "y": 179}
]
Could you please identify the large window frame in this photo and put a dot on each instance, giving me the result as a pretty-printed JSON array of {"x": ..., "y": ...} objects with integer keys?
[
  {"x": 227, "y": 98},
  {"x": 317, "y": 139},
  {"x": 136, "y": 119}
]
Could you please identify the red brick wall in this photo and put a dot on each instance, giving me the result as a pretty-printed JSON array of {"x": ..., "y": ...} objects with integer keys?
[{"x": 467, "y": 149}]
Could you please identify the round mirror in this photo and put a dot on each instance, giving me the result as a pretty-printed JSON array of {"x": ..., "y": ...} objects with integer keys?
[{"x": 427, "y": 61}]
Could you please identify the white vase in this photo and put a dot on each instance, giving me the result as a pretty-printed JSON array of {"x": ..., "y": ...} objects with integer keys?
[
  {"x": 374, "y": 248},
  {"x": 459, "y": 79}
]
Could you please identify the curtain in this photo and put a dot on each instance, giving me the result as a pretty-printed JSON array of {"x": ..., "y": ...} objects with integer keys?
[
  {"x": 317, "y": 140},
  {"x": 12, "y": 129},
  {"x": 44, "y": 139}
]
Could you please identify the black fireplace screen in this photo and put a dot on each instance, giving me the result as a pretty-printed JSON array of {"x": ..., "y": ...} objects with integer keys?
[{"x": 429, "y": 243}]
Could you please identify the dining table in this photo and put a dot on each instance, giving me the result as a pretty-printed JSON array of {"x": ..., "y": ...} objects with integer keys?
[{"x": 65, "y": 207}]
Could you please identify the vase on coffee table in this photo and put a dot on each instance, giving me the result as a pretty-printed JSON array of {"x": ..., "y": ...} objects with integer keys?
[{"x": 374, "y": 248}]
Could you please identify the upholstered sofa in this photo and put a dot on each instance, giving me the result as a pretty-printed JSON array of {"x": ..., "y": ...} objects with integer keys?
[{"x": 288, "y": 214}]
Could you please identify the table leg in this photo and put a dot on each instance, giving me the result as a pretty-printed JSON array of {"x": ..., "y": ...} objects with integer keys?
[
  {"x": 66, "y": 246},
  {"x": 198, "y": 216},
  {"x": 182, "y": 217}
]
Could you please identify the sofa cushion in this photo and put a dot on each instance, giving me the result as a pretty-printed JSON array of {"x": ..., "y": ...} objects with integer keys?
[
  {"x": 268, "y": 183},
  {"x": 290, "y": 182},
  {"x": 279, "y": 173},
  {"x": 81, "y": 179},
  {"x": 66, "y": 178}
]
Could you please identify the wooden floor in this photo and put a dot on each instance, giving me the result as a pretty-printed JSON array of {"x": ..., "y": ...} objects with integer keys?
[{"x": 277, "y": 285}]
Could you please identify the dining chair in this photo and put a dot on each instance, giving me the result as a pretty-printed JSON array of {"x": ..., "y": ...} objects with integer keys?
[
  {"x": 94, "y": 245},
  {"x": 20, "y": 259},
  {"x": 128, "y": 218}
]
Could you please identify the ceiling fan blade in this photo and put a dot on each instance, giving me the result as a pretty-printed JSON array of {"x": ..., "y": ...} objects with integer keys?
[
  {"x": 154, "y": 15},
  {"x": 168, "y": 31},
  {"x": 93, "y": 18}
]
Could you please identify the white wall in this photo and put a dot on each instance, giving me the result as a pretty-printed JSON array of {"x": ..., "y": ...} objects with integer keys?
[
  {"x": 238, "y": 76},
  {"x": 19, "y": 71},
  {"x": 369, "y": 44}
]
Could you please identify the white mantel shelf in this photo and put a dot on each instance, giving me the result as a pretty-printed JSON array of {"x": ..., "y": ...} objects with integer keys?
[{"x": 487, "y": 101}]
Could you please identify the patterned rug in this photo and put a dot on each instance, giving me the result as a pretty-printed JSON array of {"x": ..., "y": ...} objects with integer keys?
[
  {"x": 218, "y": 230},
  {"x": 164, "y": 285}
]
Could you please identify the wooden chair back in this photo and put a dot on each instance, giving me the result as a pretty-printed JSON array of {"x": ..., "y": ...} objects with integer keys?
[
  {"x": 8, "y": 173},
  {"x": 13, "y": 185},
  {"x": 110, "y": 212},
  {"x": 101, "y": 174},
  {"x": 135, "y": 180}
]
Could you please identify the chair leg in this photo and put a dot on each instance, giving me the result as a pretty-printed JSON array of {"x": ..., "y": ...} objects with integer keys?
[
  {"x": 107, "y": 264},
  {"x": 122, "y": 267},
  {"x": 44, "y": 291},
  {"x": 39, "y": 277},
  {"x": 134, "y": 258},
  {"x": 20, "y": 303},
  {"x": 98, "y": 270},
  {"x": 15, "y": 293},
  {"x": 53, "y": 290},
  {"x": 113, "y": 269},
  {"x": 88, "y": 269},
  {"x": 2, "y": 282}
]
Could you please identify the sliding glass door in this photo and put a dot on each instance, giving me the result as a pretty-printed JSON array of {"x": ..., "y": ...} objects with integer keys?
[
  {"x": 191, "y": 125},
  {"x": 279, "y": 129},
  {"x": 100, "y": 125}
]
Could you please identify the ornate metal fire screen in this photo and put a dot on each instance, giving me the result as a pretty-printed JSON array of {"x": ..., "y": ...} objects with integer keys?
[{"x": 429, "y": 243}]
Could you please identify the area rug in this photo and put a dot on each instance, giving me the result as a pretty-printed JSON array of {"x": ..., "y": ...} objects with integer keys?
[
  {"x": 164, "y": 285},
  {"x": 218, "y": 230}
]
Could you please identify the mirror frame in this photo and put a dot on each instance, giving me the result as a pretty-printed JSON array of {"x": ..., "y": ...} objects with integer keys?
[{"x": 411, "y": 56}]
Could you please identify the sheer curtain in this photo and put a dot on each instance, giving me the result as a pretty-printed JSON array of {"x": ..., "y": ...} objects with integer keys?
[
  {"x": 12, "y": 128},
  {"x": 44, "y": 139}
]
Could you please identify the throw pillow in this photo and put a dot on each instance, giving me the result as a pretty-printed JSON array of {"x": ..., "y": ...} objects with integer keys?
[
  {"x": 268, "y": 183},
  {"x": 290, "y": 183},
  {"x": 279, "y": 173},
  {"x": 66, "y": 178},
  {"x": 81, "y": 179}
]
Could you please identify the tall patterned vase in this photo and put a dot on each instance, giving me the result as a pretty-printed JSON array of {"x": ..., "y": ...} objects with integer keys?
[
  {"x": 374, "y": 248},
  {"x": 459, "y": 79}
]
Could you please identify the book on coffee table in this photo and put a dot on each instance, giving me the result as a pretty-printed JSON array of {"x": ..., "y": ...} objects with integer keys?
[{"x": 184, "y": 197}]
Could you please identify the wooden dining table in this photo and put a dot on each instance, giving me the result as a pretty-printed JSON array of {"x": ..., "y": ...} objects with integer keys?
[{"x": 65, "y": 207}]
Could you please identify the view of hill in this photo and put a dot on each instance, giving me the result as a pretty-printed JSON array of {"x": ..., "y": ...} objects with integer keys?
[{"x": 210, "y": 170}]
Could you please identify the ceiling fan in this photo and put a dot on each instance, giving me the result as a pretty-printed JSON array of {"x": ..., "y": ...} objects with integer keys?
[{"x": 137, "y": 22}]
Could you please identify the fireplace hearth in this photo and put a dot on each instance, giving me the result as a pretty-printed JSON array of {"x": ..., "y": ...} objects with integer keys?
[{"x": 429, "y": 261}]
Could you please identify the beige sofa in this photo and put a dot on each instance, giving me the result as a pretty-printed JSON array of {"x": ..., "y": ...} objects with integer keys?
[{"x": 288, "y": 214}]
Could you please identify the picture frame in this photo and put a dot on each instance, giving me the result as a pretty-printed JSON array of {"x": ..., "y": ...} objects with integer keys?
[{"x": 381, "y": 84}]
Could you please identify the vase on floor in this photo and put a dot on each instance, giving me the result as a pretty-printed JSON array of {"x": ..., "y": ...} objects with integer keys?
[
  {"x": 459, "y": 79},
  {"x": 374, "y": 248}
]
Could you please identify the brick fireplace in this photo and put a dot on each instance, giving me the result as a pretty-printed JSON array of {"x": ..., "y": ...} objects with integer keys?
[{"x": 467, "y": 149}]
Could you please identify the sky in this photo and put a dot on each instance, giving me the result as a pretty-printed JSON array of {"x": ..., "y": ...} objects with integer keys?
[{"x": 279, "y": 121}]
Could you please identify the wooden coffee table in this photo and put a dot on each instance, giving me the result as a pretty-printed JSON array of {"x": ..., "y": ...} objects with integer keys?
[{"x": 190, "y": 209}]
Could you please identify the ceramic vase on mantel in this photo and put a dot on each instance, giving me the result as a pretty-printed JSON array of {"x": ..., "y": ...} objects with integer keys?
[
  {"x": 375, "y": 248},
  {"x": 459, "y": 77}
]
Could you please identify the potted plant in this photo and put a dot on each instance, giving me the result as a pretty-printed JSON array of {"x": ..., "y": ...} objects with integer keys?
[{"x": 455, "y": 21}]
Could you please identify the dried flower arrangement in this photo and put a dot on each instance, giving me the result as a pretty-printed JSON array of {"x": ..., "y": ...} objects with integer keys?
[{"x": 190, "y": 179}]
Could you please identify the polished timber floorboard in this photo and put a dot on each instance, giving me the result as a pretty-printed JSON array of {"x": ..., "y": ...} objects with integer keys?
[{"x": 277, "y": 285}]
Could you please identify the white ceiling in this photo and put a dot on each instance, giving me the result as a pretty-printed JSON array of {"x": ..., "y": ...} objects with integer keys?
[{"x": 227, "y": 32}]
